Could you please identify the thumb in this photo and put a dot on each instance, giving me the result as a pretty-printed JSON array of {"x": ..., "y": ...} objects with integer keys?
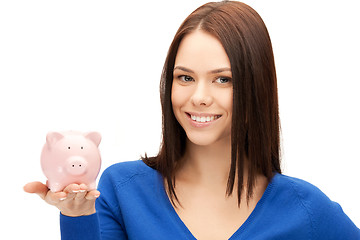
[{"x": 36, "y": 187}]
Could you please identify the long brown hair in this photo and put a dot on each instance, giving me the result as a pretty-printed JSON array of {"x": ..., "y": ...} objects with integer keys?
[{"x": 255, "y": 131}]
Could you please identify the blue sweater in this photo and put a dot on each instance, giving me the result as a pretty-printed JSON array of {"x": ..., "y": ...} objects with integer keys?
[{"x": 133, "y": 205}]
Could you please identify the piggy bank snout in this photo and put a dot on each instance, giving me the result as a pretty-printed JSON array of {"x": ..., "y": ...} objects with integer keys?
[{"x": 76, "y": 165}]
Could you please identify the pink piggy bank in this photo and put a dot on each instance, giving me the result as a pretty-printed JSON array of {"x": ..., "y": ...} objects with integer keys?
[{"x": 71, "y": 157}]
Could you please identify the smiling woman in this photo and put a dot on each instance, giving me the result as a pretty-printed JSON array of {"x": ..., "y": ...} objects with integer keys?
[
  {"x": 217, "y": 174},
  {"x": 218, "y": 41}
]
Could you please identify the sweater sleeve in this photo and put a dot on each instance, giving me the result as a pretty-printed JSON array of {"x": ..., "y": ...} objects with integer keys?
[
  {"x": 330, "y": 222},
  {"x": 105, "y": 224},
  {"x": 327, "y": 218},
  {"x": 77, "y": 228},
  {"x": 107, "y": 207}
]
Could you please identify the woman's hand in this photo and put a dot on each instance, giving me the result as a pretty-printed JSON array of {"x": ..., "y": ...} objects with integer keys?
[{"x": 75, "y": 200}]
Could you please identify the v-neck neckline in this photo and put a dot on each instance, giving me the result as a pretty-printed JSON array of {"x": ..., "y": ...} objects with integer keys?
[{"x": 254, "y": 214}]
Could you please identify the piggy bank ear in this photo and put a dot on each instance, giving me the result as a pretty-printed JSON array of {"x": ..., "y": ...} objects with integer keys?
[
  {"x": 95, "y": 137},
  {"x": 53, "y": 137}
]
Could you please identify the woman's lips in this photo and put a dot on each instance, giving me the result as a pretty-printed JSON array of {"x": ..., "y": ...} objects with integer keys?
[{"x": 202, "y": 119}]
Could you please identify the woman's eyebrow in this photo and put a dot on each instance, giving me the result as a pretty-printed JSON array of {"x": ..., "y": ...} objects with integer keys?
[
  {"x": 219, "y": 70},
  {"x": 183, "y": 69}
]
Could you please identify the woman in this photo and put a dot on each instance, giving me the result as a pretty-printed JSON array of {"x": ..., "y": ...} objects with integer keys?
[{"x": 217, "y": 174}]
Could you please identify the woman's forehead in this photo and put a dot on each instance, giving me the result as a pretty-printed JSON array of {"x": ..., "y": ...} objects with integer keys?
[{"x": 201, "y": 51}]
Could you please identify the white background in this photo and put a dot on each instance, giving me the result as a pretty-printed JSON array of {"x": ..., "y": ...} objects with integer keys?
[{"x": 96, "y": 65}]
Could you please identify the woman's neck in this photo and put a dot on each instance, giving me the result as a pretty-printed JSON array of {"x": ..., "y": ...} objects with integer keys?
[
  {"x": 207, "y": 168},
  {"x": 206, "y": 164}
]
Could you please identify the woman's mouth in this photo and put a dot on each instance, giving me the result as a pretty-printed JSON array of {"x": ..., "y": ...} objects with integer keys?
[{"x": 203, "y": 117}]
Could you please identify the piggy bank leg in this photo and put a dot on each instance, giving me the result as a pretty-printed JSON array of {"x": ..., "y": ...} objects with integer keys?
[
  {"x": 54, "y": 187},
  {"x": 92, "y": 186}
]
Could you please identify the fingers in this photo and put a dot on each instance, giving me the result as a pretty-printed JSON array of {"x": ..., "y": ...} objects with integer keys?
[
  {"x": 71, "y": 192},
  {"x": 92, "y": 195},
  {"x": 36, "y": 187},
  {"x": 43, "y": 191},
  {"x": 88, "y": 195},
  {"x": 75, "y": 191},
  {"x": 73, "y": 200},
  {"x": 79, "y": 192},
  {"x": 55, "y": 198},
  {"x": 73, "y": 188}
]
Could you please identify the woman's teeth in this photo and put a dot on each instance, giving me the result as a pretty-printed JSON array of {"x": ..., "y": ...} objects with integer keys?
[{"x": 204, "y": 119}]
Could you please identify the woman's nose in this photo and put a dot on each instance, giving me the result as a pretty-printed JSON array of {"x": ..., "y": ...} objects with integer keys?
[{"x": 202, "y": 95}]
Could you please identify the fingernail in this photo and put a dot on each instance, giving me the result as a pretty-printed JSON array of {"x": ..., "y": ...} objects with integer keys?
[
  {"x": 61, "y": 199},
  {"x": 75, "y": 191},
  {"x": 96, "y": 196},
  {"x": 82, "y": 190}
]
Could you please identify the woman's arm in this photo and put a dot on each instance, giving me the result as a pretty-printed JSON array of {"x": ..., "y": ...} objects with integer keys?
[
  {"x": 73, "y": 201},
  {"x": 78, "y": 219},
  {"x": 78, "y": 228}
]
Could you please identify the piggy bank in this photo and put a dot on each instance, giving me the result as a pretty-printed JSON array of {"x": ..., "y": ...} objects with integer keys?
[{"x": 71, "y": 157}]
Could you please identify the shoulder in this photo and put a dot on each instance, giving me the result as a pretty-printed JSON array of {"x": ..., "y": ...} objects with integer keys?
[
  {"x": 123, "y": 173},
  {"x": 325, "y": 217},
  {"x": 128, "y": 168},
  {"x": 126, "y": 188},
  {"x": 303, "y": 190}
]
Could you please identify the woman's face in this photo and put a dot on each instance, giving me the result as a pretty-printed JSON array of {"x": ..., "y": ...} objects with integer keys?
[{"x": 202, "y": 89}]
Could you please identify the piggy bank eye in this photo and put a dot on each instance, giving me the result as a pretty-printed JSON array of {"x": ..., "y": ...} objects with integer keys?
[
  {"x": 68, "y": 147},
  {"x": 82, "y": 147}
]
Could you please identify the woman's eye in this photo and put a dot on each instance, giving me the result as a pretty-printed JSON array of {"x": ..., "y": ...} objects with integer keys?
[
  {"x": 185, "y": 78},
  {"x": 223, "y": 80}
]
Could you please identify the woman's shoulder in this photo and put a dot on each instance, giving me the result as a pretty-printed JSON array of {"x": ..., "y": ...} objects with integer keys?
[
  {"x": 325, "y": 216},
  {"x": 308, "y": 196},
  {"x": 129, "y": 167},
  {"x": 304, "y": 190},
  {"x": 124, "y": 172}
]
